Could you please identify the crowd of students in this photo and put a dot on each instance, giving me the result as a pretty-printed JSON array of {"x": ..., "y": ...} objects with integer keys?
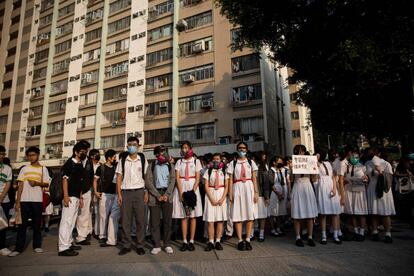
[{"x": 231, "y": 192}]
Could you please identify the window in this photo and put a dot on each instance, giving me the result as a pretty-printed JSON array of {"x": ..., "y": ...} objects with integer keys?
[
  {"x": 61, "y": 66},
  {"x": 55, "y": 127},
  {"x": 160, "y": 9},
  {"x": 245, "y": 63},
  {"x": 36, "y": 111},
  {"x": 117, "y": 46},
  {"x": 7, "y": 84},
  {"x": 294, "y": 115},
  {"x": 158, "y": 108},
  {"x": 86, "y": 121},
  {"x": 186, "y": 3},
  {"x": 34, "y": 130},
  {"x": 119, "y": 25},
  {"x": 119, "y": 5},
  {"x": 117, "y": 141},
  {"x": 253, "y": 125},
  {"x": 116, "y": 69},
  {"x": 5, "y": 102},
  {"x": 11, "y": 52},
  {"x": 43, "y": 38},
  {"x": 157, "y": 33},
  {"x": 64, "y": 29},
  {"x": 159, "y": 82},
  {"x": 2, "y": 138},
  {"x": 87, "y": 99},
  {"x": 246, "y": 93},
  {"x": 9, "y": 67},
  {"x": 37, "y": 92},
  {"x": 235, "y": 33},
  {"x": 41, "y": 55},
  {"x": 115, "y": 92},
  {"x": 193, "y": 47},
  {"x": 294, "y": 96},
  {"x": 58, "y": 106},
  {"x": 193, "y": 103},
  {"x": 39, "y": 73},
  {"x": 64, "y": 46},
  {"x": 93, "y": 15},
  {"x": 199, "y": 20},
  {"x": 92, "y": 35},
  {"x": 90, "y": 77},
  {"x": 43, "y": 21},
  {"x": 15, "y": 19},
  {"x": 92, "y": 55},
  {"x": 158, "y": 136},
  {"x": 54, "y": 150},
  {"x": 59, "y": 87},
  {"x": 14, "y": 35},
  {"x": 67, "y": 10},
  {"x": 3, "y": 120},
  {"x": 197, "y": 133},
  {"x": 115, "y": 116},
  {"x": 199, "y": 73},
  {"x": 296, "y": 133},
  {"x": 45, "y": 4},
  {"x": 159, "y": 56}
]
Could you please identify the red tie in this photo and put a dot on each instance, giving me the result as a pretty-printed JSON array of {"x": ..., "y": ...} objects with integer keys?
[
  {"x": 187, "y": 171},
  {"x": 243, "y": 172},
  {"x": 217, "y": 181}
]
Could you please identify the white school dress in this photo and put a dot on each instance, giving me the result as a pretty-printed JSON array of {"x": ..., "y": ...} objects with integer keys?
[
  {"x": 327, "y": 205},
  {"x": 278, "y": 207},
  {"x": 355, "y": 195},
  {"x": 383, "y": 206},
  {"x": 215, "y": 213},
  {"x": 303, "y": 203},
  {"x": 243, "y": 192},
  {"x": 187, "y": 185}
]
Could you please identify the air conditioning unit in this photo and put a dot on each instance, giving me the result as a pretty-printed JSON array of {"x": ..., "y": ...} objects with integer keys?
[
  {"x": 59, "y": 31},
  {"x": 199, "y": 47},
  {"x": 188, "y": 78},
  {"x": 163, "y": 104},
  {"x": 205, "y": 104},
  {"x": 181, "y": 25},
  {"x": 123, "y": 91},
  {"x": 223, "y": 140},
  {"x": 248, "y": 138}
]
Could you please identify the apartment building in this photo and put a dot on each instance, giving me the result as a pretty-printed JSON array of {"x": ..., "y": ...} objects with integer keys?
[{"x": 162, "y": 70}]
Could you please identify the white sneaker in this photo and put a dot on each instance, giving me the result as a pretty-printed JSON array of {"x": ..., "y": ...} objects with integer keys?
[
  {"x": 5, "y": 251},
  {"x": 38, "y": 250},
  {"x": 169, "y": 250},
  {"x": 155, "y": 251},
  {"x": 14, "y": 254}
]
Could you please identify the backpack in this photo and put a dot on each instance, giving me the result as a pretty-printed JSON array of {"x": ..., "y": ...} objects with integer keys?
[
  {"x": 56, "y": 186},
  {"x": 141, "y": 156}
]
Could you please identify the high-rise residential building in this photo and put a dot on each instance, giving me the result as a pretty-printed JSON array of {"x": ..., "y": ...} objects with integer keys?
[{"x": 162, "y": 70}]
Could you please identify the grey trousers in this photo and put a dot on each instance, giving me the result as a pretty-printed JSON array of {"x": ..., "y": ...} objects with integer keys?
[
  {"x": 167, "y": 209},
  {"x": 132, "y": 207}
]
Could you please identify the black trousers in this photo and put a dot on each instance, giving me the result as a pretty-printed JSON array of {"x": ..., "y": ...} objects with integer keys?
[
  {"x": 31, "y": 210},
  {"x": 6, "y": 208}
]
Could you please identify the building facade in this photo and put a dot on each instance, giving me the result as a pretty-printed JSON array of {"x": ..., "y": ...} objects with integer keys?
[{"x": 162, "y": 70}]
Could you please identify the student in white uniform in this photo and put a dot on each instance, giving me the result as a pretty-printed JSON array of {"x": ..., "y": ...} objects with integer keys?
[
  {"x": 356, "y": 181},
  {"x": 304, "y": 206},
  {"x": 243, "y": 194},
  {"x": 216, "y": 183},
  {"x": 380, "y": 207},
  {"x": 280, "y": 188},
  {"x": 264, "y": 193},
  {"x": 327, "y": 196},
  {"x": 187, "y": 178}
]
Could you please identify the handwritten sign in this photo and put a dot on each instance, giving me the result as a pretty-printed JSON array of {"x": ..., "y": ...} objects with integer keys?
[{"x": 304, "y": 164}]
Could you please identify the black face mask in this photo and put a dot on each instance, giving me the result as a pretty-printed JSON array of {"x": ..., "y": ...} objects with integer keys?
[
  {"x": 82, "y": 156},
  {"x": 279, "y": 165},
  {"x": 97, "y": 157}
]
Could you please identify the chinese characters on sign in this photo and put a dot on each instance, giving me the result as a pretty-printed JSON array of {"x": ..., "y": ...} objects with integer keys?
[{"x": 304, "y": 164}]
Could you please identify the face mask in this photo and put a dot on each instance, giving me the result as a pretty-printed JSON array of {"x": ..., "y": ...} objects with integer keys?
[
  {"x": 279, "y": 165},
  {"x": 82, "y": 156},
  {"x": 132, "y": 149},
  {"x": 187, "y": 154},
  {"x": 242, "y": 153},
  {"x": 354, "y": 160},
  {"x": 217, "y": 165},
  {"x": 97, "y": 157},
  {"x": 162, "y": 159}
]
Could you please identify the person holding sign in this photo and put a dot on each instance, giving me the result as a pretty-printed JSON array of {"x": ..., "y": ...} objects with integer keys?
[
  {"x": 303, "y": 203},
  {"x": 243, "y": 194}
]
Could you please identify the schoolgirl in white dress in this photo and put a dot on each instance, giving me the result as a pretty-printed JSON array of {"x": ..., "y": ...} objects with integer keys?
[
  {"x": 327, "y": 196},
  {"x": 280, "y": 187},
  {"x": 379, "y": 207},
  {"x": 243, "y": 194},
  {"x": 303, "y": 202},
  {"x": 216, "y": 182},
  {"x": 264, "y": 193},
  {"x": 187, "y": 178}
]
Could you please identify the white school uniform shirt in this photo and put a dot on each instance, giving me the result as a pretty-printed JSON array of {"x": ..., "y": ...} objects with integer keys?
[
  {"x": 343, "y": 165},
  {"x": 193, "y": 168},
  {"x": 133, "y": 178},
  {"x": 32, "y": 173},
  {"x": 222, "y": 177},
  {"x": 5, "y": 176},
  {"x": 248, "y": 169}
]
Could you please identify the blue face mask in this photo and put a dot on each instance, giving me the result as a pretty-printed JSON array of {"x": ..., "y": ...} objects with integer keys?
[
  {"x": 132, "y": 149},
  {"x": 354, "y": 160},
  {"x": 242, "y": 153}
]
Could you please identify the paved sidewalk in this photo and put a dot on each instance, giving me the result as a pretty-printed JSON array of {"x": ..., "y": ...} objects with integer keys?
[{"x": 274, "y": 256}]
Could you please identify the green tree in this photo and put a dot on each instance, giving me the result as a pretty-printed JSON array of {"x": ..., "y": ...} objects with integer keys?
[{"x": 353, "y": 58}]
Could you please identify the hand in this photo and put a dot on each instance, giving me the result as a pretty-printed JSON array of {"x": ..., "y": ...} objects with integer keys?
[
  {"x": 165, "y": 198},
  {"x": 98, "y": 195},
  {"x": 365, "y": 178},
  {"x": 332, "y": 193},
  {"x": 119, "y": 200},
  {"x": 213, "y": 202},
  {"x": 160, "y": 198},
  {"x": 220, "y": 202},
  {"x": 66, "y": 201},
  {"x": 342, "y": 201},
  {"x": 231, "y": 198},
  {"x": 146, "y": 197},
  {"x": 81, "y": 202},
  {"x": 33, "y": 183},
  {"x": 181, "y": 197},
  {"x": 255, "y": 197}
]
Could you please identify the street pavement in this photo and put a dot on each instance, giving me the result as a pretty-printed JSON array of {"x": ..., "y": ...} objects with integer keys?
[{"x": 276, "y": 256}]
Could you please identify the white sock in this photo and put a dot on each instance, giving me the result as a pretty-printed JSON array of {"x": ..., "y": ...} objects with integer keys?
[
  {"x": 261, "y": 233},
  {"x": 191, "y": 241},
  {"x": 356, "y": 230},
  {"x": 212, "y": 241},
  {"x": 304, "y": 232},
  {"x": 324, "y": 235},
  {"x": 251, "y": 235},
  {"x": 374, "y": 232},
  {"x": 184, "y": 240},
  {"x": 362, "y": 231},
  {"x": 388, "y": 234},
  {"x": 240, "y": 240},
  {"x": 278, "y": 230},
  {"x": 274, "y": 231},
  {"x": 335, "y": 234},
  {"x": 309, "y": 237},
  {"x": 298, "y": 237},
  {"x": 217, "y": 240},
  {"x": 339, "y": 232},
  {"x": 248, "y": 239}
]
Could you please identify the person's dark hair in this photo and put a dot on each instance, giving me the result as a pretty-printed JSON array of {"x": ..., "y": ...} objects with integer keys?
[
  {"x": 78, "y": 147},
  {"x": 287, "y": 159},
  {"x": 2, "y": 148},
  {"x": 133, "y": 139},
  {"x": 331, "y": 154},
  {"x": 86, "y": 143},
  {"x": 33, "y": 149},
  {"x": 109, "y": 153},
  {"x": 298, "y": 148},
  {"x": 216, "y": 154},
  {"x": 323, "y": 154},
  {"x": 259, "y": 159},
  {"x": 188, "y": 143},
  {"x": 93, "y": 152},
  {"x": 275, "y": 158},
  {"x": 242, "y": 143},
  {"x": 159, "y": 149},
  {"x": 6, "y": 161}
]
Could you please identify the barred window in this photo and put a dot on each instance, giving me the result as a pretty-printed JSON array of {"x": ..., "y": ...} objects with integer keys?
[
  {"x": 199, "y": 73},
  {"x": 117, "y": 141},
  {"x": 193, "y": 103},
  {"x": 87, "y": 99},
  {"x": 246, "y": 93},
  {"x": 115, "y": 92},
  {"x": 158, "y": 108},
  {"x": 61, "y": 66},
  {"x": 252, "y": 125},
  {"x": 117, "y": 46},
  {"x": 186, "y": 3},
  {"x": 59, "y": 87},
  {"x": 92, "y": 55},
  {"x": 55, "y": 127},
  {"x": 118, "y": 116},
  {"x": 66, "y": 10},
  {"x": 199, "y": 20},
  {"x": 45, "y": 20},
  {"x": 92, "y": 35},
  {"x": 34, "y": 130},
  {"x": 160, "y": 9},
  {"x": 64, "y": 29},
  {"x": 157, "y": 33},
  {"x": 90, "y": 77},
  {"x": 93, "y": 15},
  {"x": 36, "y": 111},
  {"x": 86, "y": 121},
  {"x": 41, "y": 55},
  {"x": 116, "y": 69},
  {"x": 58, "y": 106},
  {"x": 45, "y": 4},
  {"x": 189, "y": 48},
  {"x": 119, "y": 5},
  {"x": 296, "y": 133},
  {"x": 40, "y": 73},
  {"x": 64, "y": 46},
  {"x": 159, "y": 56},
  {"x": 158, "y": 136},
  {"x": 54, "y": 150},
  {"x": 245, "y": 63},
  {"x": 159, "y": 82},
  {"x": 294, "y": 115},
  {"x": 119, "y": 25},
  {"x": 197, "y": 133}
]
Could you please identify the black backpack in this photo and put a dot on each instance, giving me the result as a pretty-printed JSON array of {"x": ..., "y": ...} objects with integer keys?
[{"x": 123, "y": 160}]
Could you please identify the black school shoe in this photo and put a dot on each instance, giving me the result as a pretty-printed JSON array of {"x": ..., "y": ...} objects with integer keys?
[
  {"x": 124, "y": 251},
  {"x": 261, "y": 239},
  {"x": 299, "y": 243},
  {"x": 84, "y": 242},
  {"x": 209, "y": 247},
  {"x": 360, "y": 238},
  {"x": 241, "y": 246},
  {"x": 376, "y": 237},
  {"x": 248, "y": 246},
  {"x": 184, "y": 247},
  {"x": 338, "y": 241},
  {"x": 388, "y": 239},
  {"x": 75, "y": 247},
  {"x": 102, "y": 241},
  {"x": 191, "y": 246},
  {"x": 218, "y": 246},
  {"x": 105, "y": 245},
  {"x": 324, "y": 241},
  {"x": 68, "y": 253},
  {"x": 311, "y": 243},
  {"x": 140, "y": 251}
]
